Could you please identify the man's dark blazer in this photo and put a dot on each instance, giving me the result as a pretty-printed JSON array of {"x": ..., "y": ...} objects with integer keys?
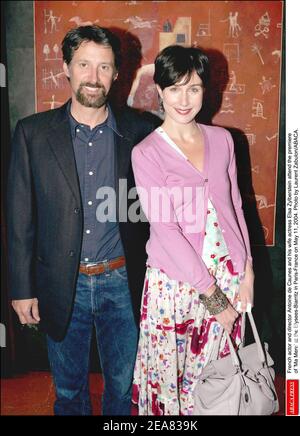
[{"x": 45, "y": 221}]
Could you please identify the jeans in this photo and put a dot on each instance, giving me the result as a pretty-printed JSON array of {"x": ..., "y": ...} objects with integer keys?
[{"x": 102, "y": 300}]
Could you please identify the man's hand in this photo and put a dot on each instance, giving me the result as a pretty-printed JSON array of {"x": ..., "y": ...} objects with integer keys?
[{"x": 27, "y": 310}]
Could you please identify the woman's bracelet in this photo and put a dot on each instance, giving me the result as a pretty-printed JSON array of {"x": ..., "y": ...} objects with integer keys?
[{"x": 216, "y": 303}]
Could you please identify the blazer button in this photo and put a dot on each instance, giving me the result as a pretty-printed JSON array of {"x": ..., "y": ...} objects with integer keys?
[
  {"x": 71, "y": 253},
  {"x": 76, "y": 210}
]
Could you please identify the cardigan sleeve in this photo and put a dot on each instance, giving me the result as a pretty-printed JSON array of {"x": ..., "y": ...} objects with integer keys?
[
  {"x": 175, "y": 254},
  {"x": 236, "y": 197}
]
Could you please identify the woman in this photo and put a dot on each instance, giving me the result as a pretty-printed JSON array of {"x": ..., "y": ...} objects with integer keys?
[{"x": 199, "y": 261}]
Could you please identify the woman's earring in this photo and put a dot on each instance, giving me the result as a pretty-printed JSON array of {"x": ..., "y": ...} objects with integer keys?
[{"x": 161, "y": 104}]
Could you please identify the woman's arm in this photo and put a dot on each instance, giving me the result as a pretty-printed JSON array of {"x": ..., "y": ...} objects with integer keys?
[
  {"x": 246, "y": 286},
  {"x": 236, "y": 196}
]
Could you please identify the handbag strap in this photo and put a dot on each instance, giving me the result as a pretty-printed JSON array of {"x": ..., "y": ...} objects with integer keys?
[
  {"x": 243, "y": 328},
  {"x": 215, "y": 352},
  {"x": 260, "y": 351}
]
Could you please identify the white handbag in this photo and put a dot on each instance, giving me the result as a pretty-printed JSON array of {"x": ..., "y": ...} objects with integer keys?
[{"x": 241, "y": 383}]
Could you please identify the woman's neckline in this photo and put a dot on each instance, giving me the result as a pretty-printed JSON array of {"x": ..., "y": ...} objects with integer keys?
[{"x": 167, "y": 138}]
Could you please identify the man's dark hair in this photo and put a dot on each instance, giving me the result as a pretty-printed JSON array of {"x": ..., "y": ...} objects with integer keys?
[
  {"x": 99, "y": 35},
  {"x": 175, "y": 62}
]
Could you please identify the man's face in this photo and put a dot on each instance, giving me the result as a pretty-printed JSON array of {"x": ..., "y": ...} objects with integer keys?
[{"x": 91, "y": 73}]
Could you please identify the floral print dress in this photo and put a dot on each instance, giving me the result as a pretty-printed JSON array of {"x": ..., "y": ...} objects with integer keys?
[{"x": 177, "y": 335}]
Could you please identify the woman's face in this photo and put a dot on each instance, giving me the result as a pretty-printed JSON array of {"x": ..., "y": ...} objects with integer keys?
[{"x": 183, "y": 102}]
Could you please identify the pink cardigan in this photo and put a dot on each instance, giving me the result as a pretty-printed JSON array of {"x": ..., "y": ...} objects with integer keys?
[{"x": 172, "y": 247}]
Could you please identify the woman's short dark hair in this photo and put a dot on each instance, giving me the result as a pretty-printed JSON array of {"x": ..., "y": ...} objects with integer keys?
[
  {"x": 175, "y": 62},
  {"x": 99, "y": 35}
]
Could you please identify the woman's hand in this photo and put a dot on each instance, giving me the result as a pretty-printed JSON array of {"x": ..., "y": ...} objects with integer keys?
[
  {"x": 228, "y": 316},
  {"x": 246, "y": 293}
]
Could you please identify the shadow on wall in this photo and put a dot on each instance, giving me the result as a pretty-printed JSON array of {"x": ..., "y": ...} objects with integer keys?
[
  {"x": 131, "y": 52},
  {"x": 265, "y": 291}
]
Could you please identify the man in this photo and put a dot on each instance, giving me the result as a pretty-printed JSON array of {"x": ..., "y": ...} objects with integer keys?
[{"x": 67, "y": 264}]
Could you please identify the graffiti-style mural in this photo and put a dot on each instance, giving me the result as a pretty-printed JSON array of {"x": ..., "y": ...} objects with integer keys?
[{"x": 243, "y": 41}]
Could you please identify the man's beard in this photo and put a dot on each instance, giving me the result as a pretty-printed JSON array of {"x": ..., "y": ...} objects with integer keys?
[{"x": 89, "y": 100}]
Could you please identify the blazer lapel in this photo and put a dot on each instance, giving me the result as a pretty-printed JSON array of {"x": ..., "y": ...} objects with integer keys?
[
  {"x": 123, "y": 145},
  {"x": 123, "y": 154},
  {"x": 60, "y": 140}
]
